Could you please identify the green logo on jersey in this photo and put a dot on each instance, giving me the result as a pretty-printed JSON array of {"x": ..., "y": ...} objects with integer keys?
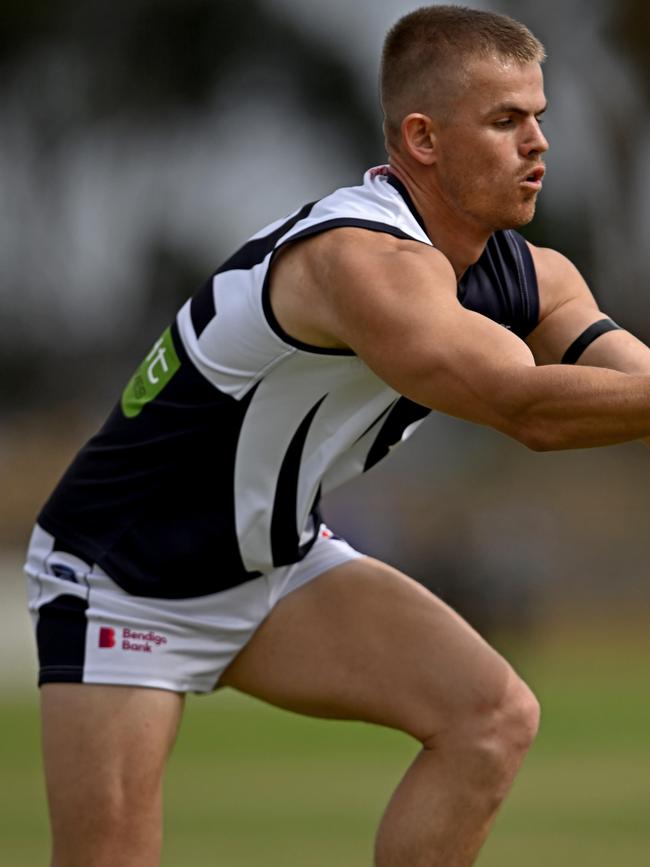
[{"x": 152, "y": 376}]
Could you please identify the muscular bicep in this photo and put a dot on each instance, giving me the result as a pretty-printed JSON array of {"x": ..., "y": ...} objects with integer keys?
[
  {"x": 570, "y": 322},
  {"x": 399, "y": 312}
]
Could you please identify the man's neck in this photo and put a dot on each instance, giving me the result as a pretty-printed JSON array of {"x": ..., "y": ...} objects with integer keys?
[{"x": 460, "y": 240}]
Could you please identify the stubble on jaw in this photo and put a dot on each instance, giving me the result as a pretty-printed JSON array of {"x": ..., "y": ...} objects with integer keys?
[{"x": 483, "y": 198}]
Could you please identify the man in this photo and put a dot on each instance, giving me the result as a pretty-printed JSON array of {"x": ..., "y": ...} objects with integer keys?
[{"x": 183, "y": 548}]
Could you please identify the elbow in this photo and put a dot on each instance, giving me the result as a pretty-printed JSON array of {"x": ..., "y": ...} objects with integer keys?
[
  {"x": 536, "y": 436},
  {"x": 537, "y": 443}
]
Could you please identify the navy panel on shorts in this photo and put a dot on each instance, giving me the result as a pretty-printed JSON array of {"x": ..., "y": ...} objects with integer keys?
[{"x": 61, "y": 640}]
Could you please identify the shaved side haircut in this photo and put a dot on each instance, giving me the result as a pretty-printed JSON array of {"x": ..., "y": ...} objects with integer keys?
[{"x": 426, "y": 56}]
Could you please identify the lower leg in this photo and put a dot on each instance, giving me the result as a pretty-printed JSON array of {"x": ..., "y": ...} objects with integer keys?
[
  {"x": 365, "y": 642},
  {"x": 443, "y": 809}
]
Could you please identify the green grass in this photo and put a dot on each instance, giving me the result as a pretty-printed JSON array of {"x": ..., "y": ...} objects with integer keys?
[{"x": 250, "y": 786}]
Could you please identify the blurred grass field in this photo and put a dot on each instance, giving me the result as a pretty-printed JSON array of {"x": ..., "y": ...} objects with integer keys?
[{"x": 251, "y": 786}]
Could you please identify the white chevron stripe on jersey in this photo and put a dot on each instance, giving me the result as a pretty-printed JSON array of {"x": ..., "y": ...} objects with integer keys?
[
  {"x": 343, "y": 389},
  {"x": 233, "y": 359}
]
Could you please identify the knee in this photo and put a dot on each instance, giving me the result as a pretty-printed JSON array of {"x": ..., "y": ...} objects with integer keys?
[
  {"x": 490, "y": 738},
  {"x": 513, "y": 721}
]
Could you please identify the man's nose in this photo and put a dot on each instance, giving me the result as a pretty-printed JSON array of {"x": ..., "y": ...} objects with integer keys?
[{"x": 535, "y": 140}]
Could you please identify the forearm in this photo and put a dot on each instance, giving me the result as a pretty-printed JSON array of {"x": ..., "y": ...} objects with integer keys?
[
  {"x": 558, "y": 407},
  {"x": 546, "y": 408}
]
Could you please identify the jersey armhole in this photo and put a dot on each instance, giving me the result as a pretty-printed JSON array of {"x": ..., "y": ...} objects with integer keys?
[{"x": 311, "y": 231}]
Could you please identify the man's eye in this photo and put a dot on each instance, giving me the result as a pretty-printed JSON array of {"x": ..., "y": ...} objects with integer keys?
[{"x": 504, "y": 122}]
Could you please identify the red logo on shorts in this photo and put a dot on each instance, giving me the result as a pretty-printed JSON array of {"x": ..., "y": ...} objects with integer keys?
[{"x": 106, "y": 636}]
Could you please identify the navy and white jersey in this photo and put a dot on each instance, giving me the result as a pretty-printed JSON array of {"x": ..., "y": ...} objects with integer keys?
[{"x": 210, "y": 469}]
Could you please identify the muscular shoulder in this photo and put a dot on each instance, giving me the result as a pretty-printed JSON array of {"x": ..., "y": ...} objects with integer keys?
[
  {"x": 323, "y": 285},
  {"x": 352, "y": 252}
]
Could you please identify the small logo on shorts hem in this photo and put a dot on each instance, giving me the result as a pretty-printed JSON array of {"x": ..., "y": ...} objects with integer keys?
[
  {"x": 131, "y": 639},
  {"x": 106, "y": 637}
]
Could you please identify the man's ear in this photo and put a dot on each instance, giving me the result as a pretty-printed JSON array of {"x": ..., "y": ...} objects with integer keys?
[{"x": 418, "y": 138}]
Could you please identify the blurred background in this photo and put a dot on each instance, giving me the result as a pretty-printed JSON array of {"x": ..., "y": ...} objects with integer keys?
[{"x": 140, "y": 144}]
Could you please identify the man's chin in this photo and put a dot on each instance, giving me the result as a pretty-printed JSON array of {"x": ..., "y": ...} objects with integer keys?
[{"x": 521, "y": 218}]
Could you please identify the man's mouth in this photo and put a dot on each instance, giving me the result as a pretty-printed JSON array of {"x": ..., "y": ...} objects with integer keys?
[{"x": 533, "y": 179}]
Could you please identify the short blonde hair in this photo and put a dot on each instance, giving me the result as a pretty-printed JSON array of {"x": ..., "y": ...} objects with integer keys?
[{"x": 426, "y": 52}]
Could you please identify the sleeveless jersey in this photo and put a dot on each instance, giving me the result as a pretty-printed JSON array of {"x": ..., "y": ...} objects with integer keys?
[{"x": 210, "y": 469}]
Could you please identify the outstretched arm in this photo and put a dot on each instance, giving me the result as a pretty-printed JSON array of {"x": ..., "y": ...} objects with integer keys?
[{"x": 394, "y": 303}]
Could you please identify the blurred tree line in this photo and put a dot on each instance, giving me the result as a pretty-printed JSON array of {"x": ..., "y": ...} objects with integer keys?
[
  {"x": 80, "y": 79},
  {"x": 69, "y": 69}
]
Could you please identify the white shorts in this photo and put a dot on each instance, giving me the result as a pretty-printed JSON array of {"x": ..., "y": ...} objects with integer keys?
[{"x": 89, "y": 630}]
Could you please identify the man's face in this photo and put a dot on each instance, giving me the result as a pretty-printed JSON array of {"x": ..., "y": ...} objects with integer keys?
[{"x": 488, "y": 164}]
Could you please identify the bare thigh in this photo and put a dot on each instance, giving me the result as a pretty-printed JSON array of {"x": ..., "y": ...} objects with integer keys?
[{"x": 365, "y": 642}]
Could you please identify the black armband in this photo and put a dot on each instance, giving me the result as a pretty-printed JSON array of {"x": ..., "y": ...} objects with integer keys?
[{"x": 588, "y": 336}]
